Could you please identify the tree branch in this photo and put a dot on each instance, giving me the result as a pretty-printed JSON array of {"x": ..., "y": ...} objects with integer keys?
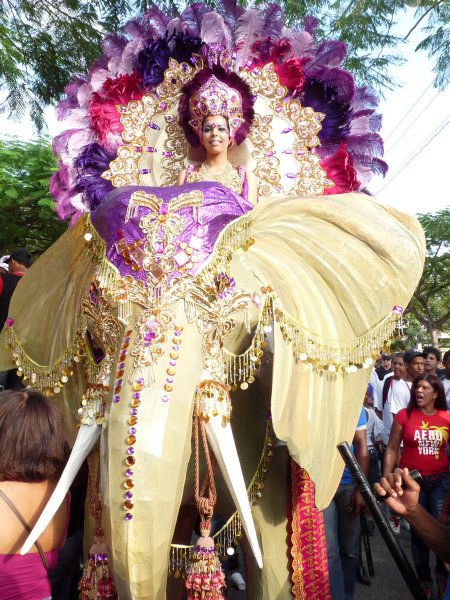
[{"x": 422, "y": 17}]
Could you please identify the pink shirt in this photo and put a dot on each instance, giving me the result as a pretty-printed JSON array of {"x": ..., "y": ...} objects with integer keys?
[{"x": 25, "y": 576}]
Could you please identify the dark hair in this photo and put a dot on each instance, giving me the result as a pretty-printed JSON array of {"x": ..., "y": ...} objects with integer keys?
[
  {"x": 33, "y": 442},
  {"x": 446, "y": 355},
  {"x": 399, "y": 355},
  {"x": 432, "y": 350},
  {"x": 436, "y": 383},
  {"x": 22, "y": 256}
]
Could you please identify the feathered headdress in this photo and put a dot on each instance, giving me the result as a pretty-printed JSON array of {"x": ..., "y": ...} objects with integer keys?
[{"x": 216, "y": 92}]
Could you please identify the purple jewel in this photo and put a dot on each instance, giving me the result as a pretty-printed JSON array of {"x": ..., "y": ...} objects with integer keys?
[
  {"x": 270, "y": 153},
  {"x": 121, "y": 365},
  {"x": 128, "y": 495},
  {"x": 128, "y": 472},
  {"x": 140, "y": 380},
  {"x": 150, "y": 149},
  {"x": 169, "y": 380},
  {"x": 146, "y": 344},
  {"x": 133, "y": 412},
  {"x": 175, "y": 347},
  {"x": 153, "y": 125},
  {"x": 130, "y": 450},
  {"x": 132, "y": 430},
  {"x": 119, "y": 381},
  {"x": 301, "y": 152},
  {"x": 128, "y": 516},
  {"x": 137, "y": 148},
  {"x": 163, "y": 105},
  {"x": 167, "y": 153},
  {"x": 136, "y": 396},
  {"x": 177, "y": 332},
  {"x": 287, "y": 130},
  {"x": 116, "y": 399},
  {"x": 165, "y": 398},
  {"x": 144, "y": 171},
  {"x": 291, "y": 175},
  {"x": 127, "y": 339},
  {"x": 172, "y": 363}
]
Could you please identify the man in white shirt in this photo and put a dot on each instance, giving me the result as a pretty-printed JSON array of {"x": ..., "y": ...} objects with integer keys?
[{"x": 392, "y": 386}]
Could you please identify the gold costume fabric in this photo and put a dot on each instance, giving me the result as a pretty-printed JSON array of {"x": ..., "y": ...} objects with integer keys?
[{"x": 337, "y": 266}]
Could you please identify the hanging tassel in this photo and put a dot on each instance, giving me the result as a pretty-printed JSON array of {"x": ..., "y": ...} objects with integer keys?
[
  {"x": 97, "y": 581},
  {"x": 205, "y": 578},
  {"x": 190, "y": 310}
]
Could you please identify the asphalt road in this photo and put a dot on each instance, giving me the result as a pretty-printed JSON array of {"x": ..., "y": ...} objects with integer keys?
[{"x": 387, "y": 583}]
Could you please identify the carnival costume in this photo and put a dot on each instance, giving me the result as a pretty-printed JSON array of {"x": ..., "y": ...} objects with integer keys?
[{"x": 173, "y": 312}]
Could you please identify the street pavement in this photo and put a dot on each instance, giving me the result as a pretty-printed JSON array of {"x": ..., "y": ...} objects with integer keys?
[{"x": 387, "y": 583}]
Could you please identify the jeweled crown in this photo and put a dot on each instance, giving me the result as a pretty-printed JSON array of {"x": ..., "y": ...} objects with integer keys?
[{"x": 216, "y": 98}]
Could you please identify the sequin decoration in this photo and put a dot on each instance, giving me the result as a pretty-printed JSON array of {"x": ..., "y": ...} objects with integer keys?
[{"x": 174, "y": 355}]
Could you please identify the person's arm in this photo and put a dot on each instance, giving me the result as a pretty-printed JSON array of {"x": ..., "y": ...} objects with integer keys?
[
  {"x": 362, "y": 456},
  {"x": 405, "y": 502},
  {"x": 181, "y": 177},
  {"x": 390, "y": 455},
  {"x": 252, "y": 182}
]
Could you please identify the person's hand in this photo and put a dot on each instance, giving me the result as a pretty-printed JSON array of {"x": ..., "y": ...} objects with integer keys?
[
  {"x": 358, "y": 504},
  {"x": 402, "y": 501}
]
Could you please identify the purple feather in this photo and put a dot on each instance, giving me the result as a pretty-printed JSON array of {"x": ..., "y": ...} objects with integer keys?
[
  {"x": 62, "y": 191},
  {"x": 193, "y": 17},
  {"x": 323, "y": 98},
  {"x": 137, "y": 28},
  {"x": 364, "y": 97},
  {"x": 342, "y": 81},
  {"x": 231, "y": 11},
  {"x": 302, "y": 43},
  {"x": 113, "y": 45},
  {"x": 376, "y": 165},
  {"x": 369, "y": 145},
  {"x": 153, "y": 60},
  {"x": 309, "y": 24},
  {"x": 330, "y": 53},
  {"x": 248, "y": 32},
  {"x": 272, "y": 21},
  {"x": 90, "y": 164}
]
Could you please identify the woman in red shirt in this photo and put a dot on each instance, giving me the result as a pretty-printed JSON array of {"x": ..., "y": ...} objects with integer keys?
[{"x": 424, "y": 428}]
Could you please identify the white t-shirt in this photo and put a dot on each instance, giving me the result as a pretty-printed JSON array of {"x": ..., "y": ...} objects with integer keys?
[{"x": 397, "y": 398}]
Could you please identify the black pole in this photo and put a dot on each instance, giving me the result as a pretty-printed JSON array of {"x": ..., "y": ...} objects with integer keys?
[{"x": 395, "y": 549}]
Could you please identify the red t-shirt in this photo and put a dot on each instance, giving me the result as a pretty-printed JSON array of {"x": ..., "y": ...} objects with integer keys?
[{"x": 425, "y": 439}]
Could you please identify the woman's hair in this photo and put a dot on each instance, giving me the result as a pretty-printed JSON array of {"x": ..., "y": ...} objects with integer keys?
[
  {"x": 33, "y": 442},
  {"x": 437, "y": 386}
]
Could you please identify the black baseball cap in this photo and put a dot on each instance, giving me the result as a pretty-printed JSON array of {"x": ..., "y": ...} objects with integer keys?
[
  {"x": 21, "y": 255},
  {"x": 386, "y": 357},
  {"x": 411, "y": 354}
]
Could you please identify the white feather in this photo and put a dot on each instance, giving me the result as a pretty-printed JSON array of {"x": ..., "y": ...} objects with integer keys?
[
  {"x": 302, "y": 43},
  {"x": 214, "y": 30}
]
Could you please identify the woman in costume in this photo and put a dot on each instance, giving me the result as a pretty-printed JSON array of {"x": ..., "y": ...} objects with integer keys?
[
  {"x": 215, "y": 114},
  {"x": 185, "y": 287}
]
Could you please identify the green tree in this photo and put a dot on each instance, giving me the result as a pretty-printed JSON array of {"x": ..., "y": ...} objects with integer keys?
[
  {"x": 44, "y": 42},
  {"x": 430, "y": 305},
  {"x": 26, "y": 206}
]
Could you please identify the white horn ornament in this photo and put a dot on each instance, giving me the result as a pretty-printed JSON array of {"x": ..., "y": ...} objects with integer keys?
[
  {"x": 220, "y": 438},
  {"x": 86, "y": 439}
]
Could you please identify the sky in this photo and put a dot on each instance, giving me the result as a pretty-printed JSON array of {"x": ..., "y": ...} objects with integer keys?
[{"x": 415, "y": 128}]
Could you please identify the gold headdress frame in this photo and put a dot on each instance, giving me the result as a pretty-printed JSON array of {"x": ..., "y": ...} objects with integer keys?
[{"x": 279, "y": 148}]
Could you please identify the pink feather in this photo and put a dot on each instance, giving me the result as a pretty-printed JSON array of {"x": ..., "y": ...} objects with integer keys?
[
  {"x": 302, "y": 43},
  {"x": 247, "y": 33},
  {"x": 214, "y": 30}
]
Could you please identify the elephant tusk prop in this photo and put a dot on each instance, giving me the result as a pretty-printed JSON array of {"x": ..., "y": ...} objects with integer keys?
[
  {"x": 221, "y": 440},
  {"x": 86, "y": 439}
]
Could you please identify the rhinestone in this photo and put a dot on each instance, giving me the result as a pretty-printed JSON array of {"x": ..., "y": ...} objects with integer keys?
[
  {"x": 132, "y": 420},
  {"x": 128, "y": 483},
  {"x": 137, "y": 387},
  {"x": 168, "y": 387},
  {"x": 128, "y": 473},
  {"x": 128, "y": 516},
  {"x": 131, "y": 439},
  {"x": 128, "y": 495},
  {"x": 128, "y": 505}
]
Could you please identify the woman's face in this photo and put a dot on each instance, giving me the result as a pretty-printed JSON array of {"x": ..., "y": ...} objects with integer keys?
[
  {"x": 215, "y": 134},
  {"x": 425, "y": 395}
]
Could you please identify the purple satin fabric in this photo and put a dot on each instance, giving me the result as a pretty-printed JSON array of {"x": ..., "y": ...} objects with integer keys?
[{"x": 220, "y": 207}]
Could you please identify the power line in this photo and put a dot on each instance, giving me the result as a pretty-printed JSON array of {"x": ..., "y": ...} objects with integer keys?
[
  {"x": 409, "y": 110},
  {"x": 419, "y": 115},
  {"x": 436, "y": 132}
]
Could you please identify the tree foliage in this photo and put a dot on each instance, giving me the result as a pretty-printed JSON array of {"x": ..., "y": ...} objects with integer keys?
[
  {"x": 45, "y": 42},
  {"x": 26, "y": 206},
  {"x": 430, "y": 304}
]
